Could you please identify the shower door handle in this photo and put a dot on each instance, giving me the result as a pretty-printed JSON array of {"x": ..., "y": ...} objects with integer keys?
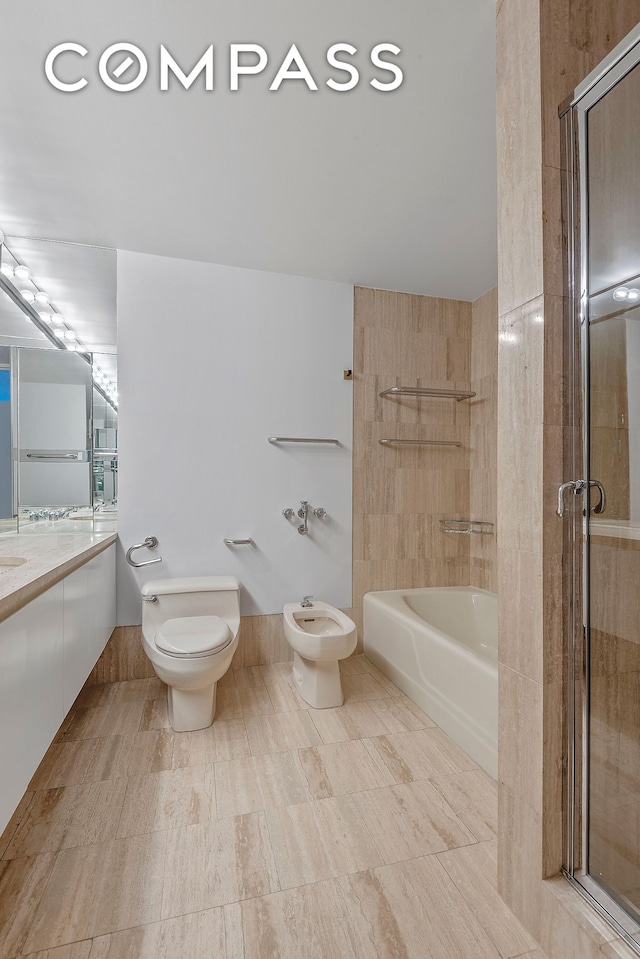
[
  {"x": 577, "y": 486},
  {"x": 601, "y": 505}
]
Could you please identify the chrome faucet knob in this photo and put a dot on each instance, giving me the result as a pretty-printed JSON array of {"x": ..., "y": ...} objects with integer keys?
[
  {"x": 320, "y": 512},
  {"x": 288, "y": 513}
]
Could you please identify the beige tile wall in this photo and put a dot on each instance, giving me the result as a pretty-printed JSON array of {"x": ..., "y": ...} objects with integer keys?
[
  {"x": 401, "y": 494},
  {"x": 544, "y": 48},
  {"x": 483, "y": 569}
]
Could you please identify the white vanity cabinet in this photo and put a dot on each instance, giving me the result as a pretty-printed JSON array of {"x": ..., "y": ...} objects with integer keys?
[{"x": 47, "y": 650}]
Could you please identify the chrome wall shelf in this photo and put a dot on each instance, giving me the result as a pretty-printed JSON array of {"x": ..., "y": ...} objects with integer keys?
[
  {"x": 427, "y": 391},
  {"x": 299, "y": 439},
  {"x": 466, "y": 526},
  {"x": 396, "y": 442}
]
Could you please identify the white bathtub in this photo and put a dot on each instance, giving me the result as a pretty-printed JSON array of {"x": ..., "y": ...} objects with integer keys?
[{"x": 440, "y": 646}]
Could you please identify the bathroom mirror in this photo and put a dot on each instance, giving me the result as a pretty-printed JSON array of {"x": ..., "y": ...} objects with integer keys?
[
  {"x": 53, "y": 400},
  {"x": 105, "y": 442},
  {"x": 52, "y": 319},
  {"x": 7, "y": 512}
]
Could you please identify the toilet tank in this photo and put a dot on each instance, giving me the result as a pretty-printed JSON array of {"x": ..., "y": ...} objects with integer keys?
[{"x": 192, "y": 596}]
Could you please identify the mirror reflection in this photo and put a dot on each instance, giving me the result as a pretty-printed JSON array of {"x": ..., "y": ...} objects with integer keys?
[{"x": 58, "y": 376}]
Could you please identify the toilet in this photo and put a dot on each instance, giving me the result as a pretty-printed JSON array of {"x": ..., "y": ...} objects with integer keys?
[
  {"x": 320, "y": 635},
  {"x": 190, "y": 633}
]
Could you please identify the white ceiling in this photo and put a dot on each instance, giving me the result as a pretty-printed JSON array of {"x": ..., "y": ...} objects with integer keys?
[{"x": 392, "y": 190}]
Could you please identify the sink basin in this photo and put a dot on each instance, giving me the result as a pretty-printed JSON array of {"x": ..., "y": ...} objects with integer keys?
[{"x": 10, "y": 562}]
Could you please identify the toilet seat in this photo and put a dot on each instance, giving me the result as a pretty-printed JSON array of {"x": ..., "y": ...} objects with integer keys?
[{"x": 190, "y": 636}]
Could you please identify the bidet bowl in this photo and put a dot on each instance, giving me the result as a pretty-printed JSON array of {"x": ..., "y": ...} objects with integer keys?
[{"x": 320, "y": 632}]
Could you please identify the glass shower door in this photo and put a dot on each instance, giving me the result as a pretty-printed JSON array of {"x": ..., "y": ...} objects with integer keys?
[
  {"x": 602, "y": 141},
  {"x": 613, "y": 163}
]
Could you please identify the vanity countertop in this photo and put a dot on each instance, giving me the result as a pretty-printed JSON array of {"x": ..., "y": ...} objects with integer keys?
[{"x": 49, "y": 558}]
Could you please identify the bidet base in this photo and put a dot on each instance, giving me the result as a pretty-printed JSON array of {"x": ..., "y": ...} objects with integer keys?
[
  {"x": 318, "y": 682},
  {"x": 191, "y": 709}
]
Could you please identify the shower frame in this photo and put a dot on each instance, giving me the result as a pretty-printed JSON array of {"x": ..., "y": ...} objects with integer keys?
[{"x": 575, "y": 202}]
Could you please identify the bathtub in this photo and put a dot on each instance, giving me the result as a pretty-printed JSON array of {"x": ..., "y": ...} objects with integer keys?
[{"x": 440, "y": 646}]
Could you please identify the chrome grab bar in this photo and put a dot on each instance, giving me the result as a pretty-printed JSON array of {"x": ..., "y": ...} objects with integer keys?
[
  {"x": 54, "y": 456},
  {"x": 392, "y": 442},
  {"x": 427, "y": 391},
  {"x": 299, "y": 439},
  {"x": 150, "y": 543},
  {"x": 238, "y": 542},
  {"x": 467, "y": 526}
]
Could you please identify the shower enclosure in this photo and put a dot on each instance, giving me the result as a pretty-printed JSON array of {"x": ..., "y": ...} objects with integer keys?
[{"x": 600, "y": 501}]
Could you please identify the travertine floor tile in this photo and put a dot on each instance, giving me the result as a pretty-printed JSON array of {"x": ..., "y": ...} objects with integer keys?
[
  {"x": 247, "y": 676},
  {"x": 18, "y": 817},
  {"x": 199, "y": 935},
  {"x": 359, "y": 687},
  {"x": 22, "y": 885},
  {"x": 64, "y": 764},
  {"x": 132, "y": 755},
  {"x": 259, "y": 782},
  {"x": 228, "y": 680},
  {"x": 300, "y": 923},
  {"x": 155, "y": 714},
  {"x": 351, "y": 721},
  {"x": 280, "y": 731},
  {"x": 254, "y": 701},
  {"x": 228, "y": 705},
  {"x": 216, "y": 863},
  {"x": 98, "y": 721},
  {"x": 355, "y": 664},
  {"x": 276, "y": 673},
  {"x": 77, "y": 815},
  {"x": 97, "y": 889},
  {"x": 91, "y": 696},
  {"x": 367, "y": 816},
  {"x": 320, "y": 840},
  {"x": 285, "y": 697},
  {"x": 384, "y": 681},
  {"x": 166, "y": 800},
  {"x": 400, "y": 715},
  {"x": 233, "y": 932},
  {"x": 393, "y": 915},
  {"x": 226, "y": 739},
  {"x": 75, "y": 950},
  {"x": 410, "y": 820},
  {"x": 474, "y": 797},
  {"x": 133, "y": 690},
  {"x": 422, "y": 754},
  {"x": 474, "y": 872},
  {"x": 339, "y": 768}
]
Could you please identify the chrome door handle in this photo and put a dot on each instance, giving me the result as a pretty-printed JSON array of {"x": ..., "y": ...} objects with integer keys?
[
  {"x": 576, "y": 485},
  {"x": 601, "y": 505}
]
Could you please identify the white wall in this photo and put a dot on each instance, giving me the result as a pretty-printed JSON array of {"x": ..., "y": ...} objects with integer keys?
[{"x": 211, "y": 361}]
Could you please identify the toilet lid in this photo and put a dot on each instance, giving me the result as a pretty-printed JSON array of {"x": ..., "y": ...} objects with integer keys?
[{"x": 193, "y": 635}]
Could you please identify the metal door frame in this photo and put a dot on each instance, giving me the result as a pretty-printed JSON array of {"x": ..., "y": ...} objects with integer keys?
[{"x": 573, "y": 116}]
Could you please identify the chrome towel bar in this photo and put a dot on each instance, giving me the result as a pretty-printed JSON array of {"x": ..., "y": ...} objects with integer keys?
[
  {"x": 150, "y": 543},
  {"x": 427, "y": 391},
  {"x": 300, "y": 439},
  {"x": 466, "y": 526},
  {"x": 392, "y": 442}
]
